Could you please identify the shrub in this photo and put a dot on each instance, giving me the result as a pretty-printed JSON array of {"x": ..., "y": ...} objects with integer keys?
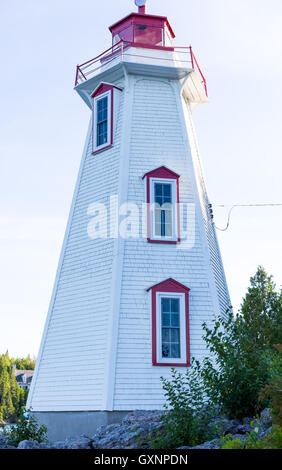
[
  {"x": 235, "y": 371},
  {"x": 273, "y": 390},
  {"x": 26, "y": 429},
  {"x": 272, "y": 440},
  {"x": 186, "y": 421}
]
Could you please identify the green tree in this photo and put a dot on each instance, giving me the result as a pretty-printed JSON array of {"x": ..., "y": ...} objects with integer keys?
[
  {"x": 7, "y": 408},
  {"x": 261, "y": 311},
  {"x": 24, "y": 363},
  {"x": 235, "y": 371},
  {"x": 12, "y": 398}
]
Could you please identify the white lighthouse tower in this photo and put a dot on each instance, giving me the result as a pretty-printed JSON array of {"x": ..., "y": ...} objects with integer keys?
[{"x": 140, "y": 268}]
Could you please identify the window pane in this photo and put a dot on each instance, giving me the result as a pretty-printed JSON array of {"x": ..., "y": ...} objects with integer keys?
[
  {"x": 175, "y": 335},
  {"x": 175, "y": 305},
  {"x": 163, "y": 209},
  {"x": 102, "y": 109},
  {"x": 163, "y": 193},
  {"x": 102, "y": 133},
  {"x": 175, "y": 351},
  {"x": 158, "y": 189},
  {"x": 165, "y": 319},
  {"x": 166, "y": 335},
  {"x": 165, "y": 350},
  {"x": 170, "y": 315},
  {"x": 167, "y": 190},
  {"x": 102, "y": 121},
  {"x": 175, "y": 319},
  {"x": 148, "y": 35},
  {"x": 166, "y": 304}
]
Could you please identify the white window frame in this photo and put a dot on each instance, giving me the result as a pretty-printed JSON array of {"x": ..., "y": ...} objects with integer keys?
[
  {"x": 183, "y": 329},
  {"x": 109, "y": 120},
  {"x": 174, "y": 232}
]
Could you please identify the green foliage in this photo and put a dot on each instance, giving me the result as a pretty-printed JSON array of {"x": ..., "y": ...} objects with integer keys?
[
  {"x": 272, "y": 440},
  {"x": 273, "y": 390},
  {"x": 187, "y": 419},
  {"x": 24, "y": 363},
  {"x": 12, "y": 398},
  {"x": 235, "y": 371},
  {"x": 26, "y": 429},
  {"x": 261, "y": 311}
]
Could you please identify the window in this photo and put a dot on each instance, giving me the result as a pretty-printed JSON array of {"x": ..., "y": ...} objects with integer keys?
[
  {"x": 170, "y": 324},
  {"x": 162, "y": 210},
  {"x": 105, "y": 100},
  {"x": 102, "y": 121},
  {"x": 169, "y": 317}
]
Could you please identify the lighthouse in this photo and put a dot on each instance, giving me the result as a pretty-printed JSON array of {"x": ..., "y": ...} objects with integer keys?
[{"x": 140, "y": 268}]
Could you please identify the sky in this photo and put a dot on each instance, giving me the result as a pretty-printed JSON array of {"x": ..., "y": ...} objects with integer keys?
[{"x": 43, "y": 125}]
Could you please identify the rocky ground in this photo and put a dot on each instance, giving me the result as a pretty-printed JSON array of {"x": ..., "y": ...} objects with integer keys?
[{"x": 129, "y": 434}]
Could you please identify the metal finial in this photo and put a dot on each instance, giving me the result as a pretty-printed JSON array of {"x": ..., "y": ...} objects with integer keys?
[{"x": 141, "y": 4}]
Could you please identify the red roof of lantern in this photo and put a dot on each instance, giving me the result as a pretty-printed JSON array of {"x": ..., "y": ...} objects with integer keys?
[{"x": 135, "y": 18}]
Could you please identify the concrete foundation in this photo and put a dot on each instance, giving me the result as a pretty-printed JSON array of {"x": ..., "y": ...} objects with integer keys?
[{"x": 65, "y": 424}]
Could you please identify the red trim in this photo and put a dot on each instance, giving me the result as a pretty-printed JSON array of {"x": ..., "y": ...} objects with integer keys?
[
  {"x": 149, "y": 46},
  {"x": 134, "y": 18},
  {"x": 169, "y": 285},
  {"x": 162, "y": 172},
  {"x": 103, "y": 88}
]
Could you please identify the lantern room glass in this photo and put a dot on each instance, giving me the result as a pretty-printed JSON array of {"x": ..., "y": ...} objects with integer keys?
[{"x": 144, "y": 34}]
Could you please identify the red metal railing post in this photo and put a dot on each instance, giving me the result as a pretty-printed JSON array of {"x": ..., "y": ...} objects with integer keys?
[
  {"x": 76, "y": 75},
  {"x": 191, "y": 55}
]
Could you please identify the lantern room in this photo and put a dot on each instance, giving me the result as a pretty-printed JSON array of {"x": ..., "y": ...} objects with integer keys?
[{"x": 142, "y": 29}]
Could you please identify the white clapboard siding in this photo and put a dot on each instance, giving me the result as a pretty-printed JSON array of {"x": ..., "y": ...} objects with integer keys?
[
  {"x": 96, "y": 351},
  {"x": 71, "y": 370},
  {"x": 157, "y": 138}
]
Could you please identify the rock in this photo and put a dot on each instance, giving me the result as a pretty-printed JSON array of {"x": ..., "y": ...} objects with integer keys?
[
  {"x": 232, "y": 426},
  {"x": 60, "y": 445},
  {"x": 26, "y": 444},
  {"x": 3, "y": 441},
  {"x": 214, "y": 444},
  {"x": 266, "y": 417},
  {"x": 219, "y": 425},
  {"x": 142, "y": 417},
  {"x": 44, "y": 445},
  {"x": 243, "y": 428},
  {"x": 82, "y": 443},
  {"x": 127, "y": 436}
]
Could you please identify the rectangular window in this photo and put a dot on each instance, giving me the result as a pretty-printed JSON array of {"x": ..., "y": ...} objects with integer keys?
[
  {"x": 163, "y": 210},
  {"x": 170, "y": 319},
  {"x": 171, "y": 328},
  {"x": 102, "y": 121}
]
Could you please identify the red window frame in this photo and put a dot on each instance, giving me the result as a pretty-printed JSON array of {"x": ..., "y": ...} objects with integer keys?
[
  {"x": 163, "y": 173},
  {"x": 100, "y": 90},
  {"x": 169, "y": 286}
]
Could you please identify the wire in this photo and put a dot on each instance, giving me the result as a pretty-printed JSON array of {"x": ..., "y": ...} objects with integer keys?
[{"x": 241, "y": 205}]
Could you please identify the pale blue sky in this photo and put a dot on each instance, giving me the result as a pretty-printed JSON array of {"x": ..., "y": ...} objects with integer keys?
[{"x": 43, "y": 125}]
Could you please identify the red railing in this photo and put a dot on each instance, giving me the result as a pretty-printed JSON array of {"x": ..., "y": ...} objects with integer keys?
[{"x": 185, "y": 55}]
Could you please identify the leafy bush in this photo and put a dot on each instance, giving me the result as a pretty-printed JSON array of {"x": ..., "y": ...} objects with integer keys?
[
  {"x": 187, "y": 419},
  {"x": 235, "y": 371},
  {"x": 26, "y": 429},
  {"x": 273, "y": 390},
  {"x": 237, "y": 368},
  {"x": 273, "y": 440}
]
